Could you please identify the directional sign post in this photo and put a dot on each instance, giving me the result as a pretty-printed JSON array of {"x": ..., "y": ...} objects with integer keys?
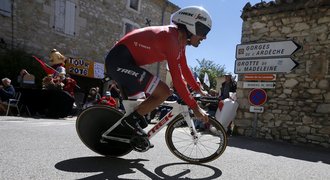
[
  {"x": 263, "y": 85},
  {"x": 257, "y": 97},
  {"x": 268, "y": 49},
  {"x": 257, "y": 109},
  {"x": 275, "y": 65},
  {"x": 263, "y": 58},
  {"x": 259, "y": 77}
]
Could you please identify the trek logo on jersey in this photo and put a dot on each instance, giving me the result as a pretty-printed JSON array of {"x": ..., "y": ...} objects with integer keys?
[
  {"x": 127, "y": 71},
  {"x": 200, "y": 17},
  {"x": 137, "y": 44}
]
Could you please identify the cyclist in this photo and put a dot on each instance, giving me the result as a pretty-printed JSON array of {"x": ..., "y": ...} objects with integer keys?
[{"x": 154, "y": 44}]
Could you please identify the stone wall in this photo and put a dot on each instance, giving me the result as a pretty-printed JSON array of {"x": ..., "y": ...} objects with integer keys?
[
  {"x": 298, "y": 109},
  {"x": 98, "y": 25}
]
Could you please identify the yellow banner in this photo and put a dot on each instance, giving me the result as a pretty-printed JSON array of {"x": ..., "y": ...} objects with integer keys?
[{"x": 85, "y": 68}]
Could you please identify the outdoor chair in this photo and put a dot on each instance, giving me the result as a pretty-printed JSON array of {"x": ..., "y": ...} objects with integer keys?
[{"x": 13, "y": 103}]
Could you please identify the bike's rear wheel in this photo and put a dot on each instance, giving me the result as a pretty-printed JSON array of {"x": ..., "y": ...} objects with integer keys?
[
  {"x": 93, "y": 122},
  {"x": 211, "y": 143}
]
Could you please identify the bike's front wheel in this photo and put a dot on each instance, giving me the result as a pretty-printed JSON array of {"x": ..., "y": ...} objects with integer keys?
[{"x": 208, "y": 146}]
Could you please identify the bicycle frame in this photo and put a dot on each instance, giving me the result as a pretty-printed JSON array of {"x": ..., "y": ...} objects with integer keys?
[{"x": 176, "y": 110}]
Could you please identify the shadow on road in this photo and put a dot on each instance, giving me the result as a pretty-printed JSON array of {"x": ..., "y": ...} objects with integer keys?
[
  {"x": 112, "y": 168},
  {"x": 313, "y": 154}
]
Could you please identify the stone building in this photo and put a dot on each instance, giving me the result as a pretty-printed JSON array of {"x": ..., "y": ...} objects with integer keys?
[
  {"x": 78, "y": 28},
  {"x": 298, "y": 108}
]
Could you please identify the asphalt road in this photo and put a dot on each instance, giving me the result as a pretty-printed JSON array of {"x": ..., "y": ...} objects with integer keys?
[{"x": 50, "y": 149}]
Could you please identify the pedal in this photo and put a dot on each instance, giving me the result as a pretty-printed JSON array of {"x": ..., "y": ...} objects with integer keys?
[
  {"x": 103, "y": 141},
  {"x": 140, "y": 144}
]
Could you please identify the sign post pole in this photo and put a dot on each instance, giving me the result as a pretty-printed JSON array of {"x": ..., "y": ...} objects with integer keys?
[
  {"x": 257, "y": 97},
  {"x": 255, "y": 125}
]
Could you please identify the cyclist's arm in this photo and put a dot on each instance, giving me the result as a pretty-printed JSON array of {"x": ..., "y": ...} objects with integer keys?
[
  {"x": 180, "y": 85},
  {"x": 188, "y": 76},
  {"x": 171, "y": 48}
]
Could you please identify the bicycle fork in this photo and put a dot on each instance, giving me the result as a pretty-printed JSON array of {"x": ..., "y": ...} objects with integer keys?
[{"x": 190, "y": 123}]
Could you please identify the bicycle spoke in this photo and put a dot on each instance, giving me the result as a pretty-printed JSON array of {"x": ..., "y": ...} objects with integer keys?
[
  {"x": 182, "y": 146},
  {"x": 201, "y": 151}
]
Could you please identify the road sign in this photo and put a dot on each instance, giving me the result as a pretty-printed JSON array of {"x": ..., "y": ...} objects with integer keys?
[
  {"x": 275, "y": 65},
  {"x": 259, "y": 77},
  {"x": 257, "y": 97},
  {"x": 268, "y": 49},
  {"x": 257, "y": 109},
  {"x": 264, "y": 85}
]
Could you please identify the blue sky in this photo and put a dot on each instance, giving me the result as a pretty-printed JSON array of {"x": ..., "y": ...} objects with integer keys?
[{"x": 221, "y": 42}]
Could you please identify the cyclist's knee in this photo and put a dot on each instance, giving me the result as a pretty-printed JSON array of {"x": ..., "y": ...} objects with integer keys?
[
  {"x": 162, "y": 91},
  {"x": 166, "y": 91}
]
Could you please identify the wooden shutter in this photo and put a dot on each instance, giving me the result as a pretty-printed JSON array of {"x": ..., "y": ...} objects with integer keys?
[
  {"x": 70, "y": 11},
  {"x": 59, "y": 15}
]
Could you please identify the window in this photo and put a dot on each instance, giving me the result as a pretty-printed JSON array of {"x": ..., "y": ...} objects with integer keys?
[
  {"x": 134, "y": 4},
  {"x": 65, "y": 17},
  {"x": 129, "y": 26},
  {"x": 5, "y": 7}
]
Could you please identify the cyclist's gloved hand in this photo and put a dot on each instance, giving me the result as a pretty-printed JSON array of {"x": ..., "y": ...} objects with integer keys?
[
  {"x": 200, "y": 114},
  {"x": 203, "y": 93}
]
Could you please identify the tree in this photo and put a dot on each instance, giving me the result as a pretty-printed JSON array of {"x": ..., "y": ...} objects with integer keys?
[{"x": 213, "y": 70}]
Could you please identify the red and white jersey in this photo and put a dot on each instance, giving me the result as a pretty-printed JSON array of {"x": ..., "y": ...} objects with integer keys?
[{"x": 157, "y": 43}]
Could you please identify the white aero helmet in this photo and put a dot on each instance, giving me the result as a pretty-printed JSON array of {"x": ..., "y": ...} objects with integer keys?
[{"x": 195, "y": 18}]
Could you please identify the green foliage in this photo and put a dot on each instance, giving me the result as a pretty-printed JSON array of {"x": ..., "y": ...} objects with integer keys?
[
  {"x": 213, "y": 70},
  {"x": 12, "y": 61}
]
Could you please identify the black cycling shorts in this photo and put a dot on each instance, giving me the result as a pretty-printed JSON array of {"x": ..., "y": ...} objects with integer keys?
[{"x": 134, "y": 80}]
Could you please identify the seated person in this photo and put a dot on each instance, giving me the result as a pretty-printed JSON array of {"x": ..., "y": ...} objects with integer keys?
[{"x": 7, "y": 91}]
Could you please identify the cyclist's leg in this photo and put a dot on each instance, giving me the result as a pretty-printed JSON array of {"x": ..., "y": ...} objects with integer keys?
[
  {"x": 135, "y": 80},
  {"x": 159, "y": 95}
]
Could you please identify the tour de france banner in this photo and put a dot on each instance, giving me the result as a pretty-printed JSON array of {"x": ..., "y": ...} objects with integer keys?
[{"x": 86, "y": 68}]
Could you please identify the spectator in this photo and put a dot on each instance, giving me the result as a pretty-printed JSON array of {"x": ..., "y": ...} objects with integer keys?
[
  {"x": 115, "y": 93},
  {"x": 98, "y": 95},
  {"x": 26, "y": 79},
  {"x": 91, "y": 98},
  {"x": 69, "y": 84},
  {"x": 228, "y": 86},
  {"x": 7, "y": 90},
  {"x": 57, "y": 60},
  {"x": 108, "y": 100},
  {"x": 21, "y": 76},
  {"x": 49, "y": 82},
  {"x": 213, "y": 93}
]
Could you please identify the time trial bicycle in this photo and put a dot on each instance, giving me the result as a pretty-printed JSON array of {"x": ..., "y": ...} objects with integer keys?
[{"x": 100, "y": 129}]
